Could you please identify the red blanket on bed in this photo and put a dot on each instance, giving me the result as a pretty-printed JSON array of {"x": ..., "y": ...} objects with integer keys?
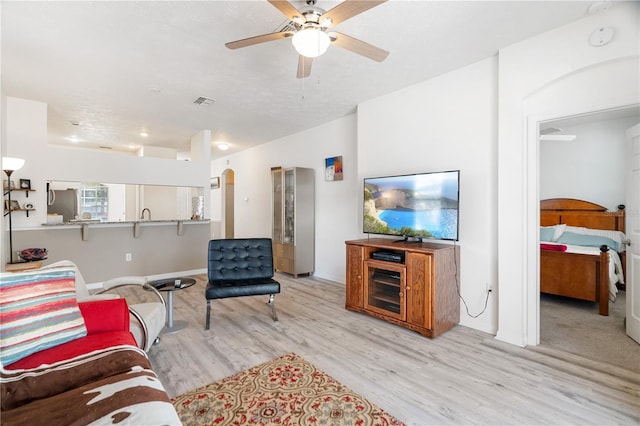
[{"x": 553, "y": 247}]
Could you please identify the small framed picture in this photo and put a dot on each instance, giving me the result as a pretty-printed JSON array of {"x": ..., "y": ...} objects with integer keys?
[
  {"x": 215, "y": 182},
  {"x": 333, "y": 168},
  {"x": 11, "y": 205},
  {"x": 9, "y": 184},
  {"x": 25, "y": 183}
]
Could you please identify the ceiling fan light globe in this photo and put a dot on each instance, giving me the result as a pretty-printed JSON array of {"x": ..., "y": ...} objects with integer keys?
[{"x": 311, "y": 42}]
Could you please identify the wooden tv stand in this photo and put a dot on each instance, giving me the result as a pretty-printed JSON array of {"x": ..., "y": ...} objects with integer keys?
[{"x": 419, "y": 292}]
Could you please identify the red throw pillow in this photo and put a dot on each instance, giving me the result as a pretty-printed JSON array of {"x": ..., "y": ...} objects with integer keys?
[{"x": 105, "y": 315}]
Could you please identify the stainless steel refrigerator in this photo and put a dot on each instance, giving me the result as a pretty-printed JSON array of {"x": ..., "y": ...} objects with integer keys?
[{"x": 63, "y": 202}]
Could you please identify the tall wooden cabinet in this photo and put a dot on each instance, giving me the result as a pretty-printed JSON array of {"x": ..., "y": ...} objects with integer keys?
[
  {"x": 414, "y": 285},
  {"x": 293, "y": 220}
]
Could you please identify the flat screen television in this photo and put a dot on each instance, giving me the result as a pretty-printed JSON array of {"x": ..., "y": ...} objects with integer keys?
[{"x": 423, "y": 205}]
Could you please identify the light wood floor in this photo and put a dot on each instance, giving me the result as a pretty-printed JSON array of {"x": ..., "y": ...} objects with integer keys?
[{"x": 462, "y": 377}]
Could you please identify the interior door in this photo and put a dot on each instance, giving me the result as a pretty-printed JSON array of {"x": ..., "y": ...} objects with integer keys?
[{"x": 633, "y": 233}]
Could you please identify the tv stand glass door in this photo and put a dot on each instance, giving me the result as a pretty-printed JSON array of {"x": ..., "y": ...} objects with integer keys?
[{"x": 384, "y": 288}]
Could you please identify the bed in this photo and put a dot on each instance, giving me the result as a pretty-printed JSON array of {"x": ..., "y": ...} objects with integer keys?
[{"x": 582, "y": 250}]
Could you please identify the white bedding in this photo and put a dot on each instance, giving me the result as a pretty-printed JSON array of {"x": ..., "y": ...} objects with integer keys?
[{"x": 615, "y": 265}]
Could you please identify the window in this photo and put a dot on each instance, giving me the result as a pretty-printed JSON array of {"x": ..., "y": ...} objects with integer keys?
[{"x": 94, "y": 201}]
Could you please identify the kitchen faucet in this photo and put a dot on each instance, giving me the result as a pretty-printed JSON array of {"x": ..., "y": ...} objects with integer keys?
[{"x": 147, "y": 210}]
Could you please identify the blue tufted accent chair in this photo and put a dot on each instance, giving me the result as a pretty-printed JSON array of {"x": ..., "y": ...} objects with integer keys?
[{"x": 241, "y": 267}]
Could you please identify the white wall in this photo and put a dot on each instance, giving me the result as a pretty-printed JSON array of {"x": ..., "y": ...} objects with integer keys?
[
  {"x": 589, "y": 167},
  {"x": 335, "y": 202},
  {"x": 117, "y": 202},
  {"x": 413, "y": 130},
  {"x": 556, "y": 74},
  {"x": 446, "y": 123}
]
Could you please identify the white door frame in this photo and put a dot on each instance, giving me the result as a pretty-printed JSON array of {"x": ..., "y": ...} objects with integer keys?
[
  {"x": 532, "y": 261},
  {"x": 633, "y": 272}
]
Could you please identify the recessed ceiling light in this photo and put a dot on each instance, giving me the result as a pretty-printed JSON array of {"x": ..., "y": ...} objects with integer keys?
[
  {"x": 222, "y": 146},
  {"x": 144, "y": 134},
  {"x": 74, "y": 123},
  {"x": 73, "y": 139}
]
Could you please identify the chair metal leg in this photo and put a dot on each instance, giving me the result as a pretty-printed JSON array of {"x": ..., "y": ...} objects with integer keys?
[
  {"x": 272, "y": 303},
  {"x": 206, "y": 327}
]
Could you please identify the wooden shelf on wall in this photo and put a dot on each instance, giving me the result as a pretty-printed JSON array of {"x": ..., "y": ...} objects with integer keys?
[
  {"x": 22, "y": 266},
  {"x": 6, "y": 212},
  {"x": 25, "y": 190}
]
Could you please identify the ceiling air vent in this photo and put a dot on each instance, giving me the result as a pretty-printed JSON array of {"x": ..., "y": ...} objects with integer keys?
[{"x": 204, "y": 101}]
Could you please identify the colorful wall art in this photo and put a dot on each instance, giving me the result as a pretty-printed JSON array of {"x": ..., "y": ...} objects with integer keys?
[{"x": 333, "y": 168}]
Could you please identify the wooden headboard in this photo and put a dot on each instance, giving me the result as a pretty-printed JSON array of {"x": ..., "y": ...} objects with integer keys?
[{"x": 574, "y": 212}]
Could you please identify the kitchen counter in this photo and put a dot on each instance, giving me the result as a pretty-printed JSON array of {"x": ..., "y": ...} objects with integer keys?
[
  {"x": 93, "y": 222},
  {"x": 84, "y": 226},
  {"x": 106, "y": 250}
]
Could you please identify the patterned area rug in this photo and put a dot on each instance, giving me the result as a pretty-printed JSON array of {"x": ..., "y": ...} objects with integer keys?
[{"x": 285, "y": 391}]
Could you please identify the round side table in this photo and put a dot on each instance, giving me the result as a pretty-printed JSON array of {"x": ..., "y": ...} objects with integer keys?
[{"x": 170, "y": 285}]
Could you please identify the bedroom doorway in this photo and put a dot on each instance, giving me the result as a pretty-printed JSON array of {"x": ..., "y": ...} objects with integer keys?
[{"x": 566, "y": 165}]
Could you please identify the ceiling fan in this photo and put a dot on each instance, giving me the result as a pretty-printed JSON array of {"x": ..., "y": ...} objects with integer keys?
[{"x": 308, "y": 31}]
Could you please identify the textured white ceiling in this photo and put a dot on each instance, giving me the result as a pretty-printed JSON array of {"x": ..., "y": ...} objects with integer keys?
[{"x": 118, "y": 68}]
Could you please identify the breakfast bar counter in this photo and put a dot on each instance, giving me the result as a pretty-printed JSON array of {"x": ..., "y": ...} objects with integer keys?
[{"x": 137, "y": 225}]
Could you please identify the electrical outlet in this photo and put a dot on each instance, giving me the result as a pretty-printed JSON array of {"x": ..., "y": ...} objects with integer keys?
[{"x": 127, "y": 257}]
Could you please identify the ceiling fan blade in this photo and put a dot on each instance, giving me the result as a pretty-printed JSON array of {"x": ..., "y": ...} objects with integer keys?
[
  {"x": 288, "y": 10},
  {"x": 304, "y": 66},
  {"x": 358, "y": 46},
  {"x": 347, "y": 9},
  {"x": 258, "y": 39}
]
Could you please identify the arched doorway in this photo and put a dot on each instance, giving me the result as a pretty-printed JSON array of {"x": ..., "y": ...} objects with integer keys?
[{"x": 564, "y": 98}]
